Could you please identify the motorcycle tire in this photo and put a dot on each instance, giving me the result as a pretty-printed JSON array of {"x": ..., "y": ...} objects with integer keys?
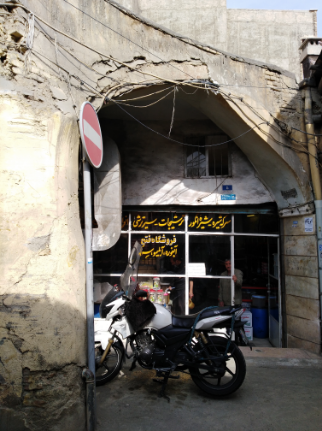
[
  {"x": 110, "y": 367},
  {"x": 231, "y": 372}
]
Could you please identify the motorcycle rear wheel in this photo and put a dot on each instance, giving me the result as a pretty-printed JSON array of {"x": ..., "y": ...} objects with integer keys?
[
  {"x": 232, "y": 372},
  {"x": 110, "y": 367}
]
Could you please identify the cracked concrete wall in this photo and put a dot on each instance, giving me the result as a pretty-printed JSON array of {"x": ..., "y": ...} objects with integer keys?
[
  {"x": 42, "y": 272},
  {"x": 42, "y": 260},
  {"x": 272, "y": 36},
  {"x": 42, "y": 288}
]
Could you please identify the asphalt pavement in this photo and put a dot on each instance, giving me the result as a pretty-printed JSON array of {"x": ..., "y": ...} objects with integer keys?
[{"x": 282, "y": 391}]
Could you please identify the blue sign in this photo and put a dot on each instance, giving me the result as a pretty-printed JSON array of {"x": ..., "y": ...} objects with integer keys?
[
  {"x": 228, "y": 197},
  {"x": 227, "y": 188}
]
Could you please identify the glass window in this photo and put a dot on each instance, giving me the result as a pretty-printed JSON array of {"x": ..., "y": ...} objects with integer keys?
[
  {"x": 207, "y": 157},
  {"x": 150, "y": 221},
  {"x": 125, "y": 221},
  {"x": 218, "y": 156},
  {"x": 273, "y": 257},
  {"x": 205, "y": 293},
  {"x": 196, "y": 158},
  {"x": 251, "y": 257},
  {"x": 113, "y": 260},
  {"x": 209, "y": 223},
  {"x": 256, "y": 223},
  {"x": 158, "y": 251},
  {"x": 210, "y": 250}
]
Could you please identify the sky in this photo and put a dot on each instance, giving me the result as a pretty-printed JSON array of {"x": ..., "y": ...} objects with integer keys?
[{"x": 280, "y": 4}]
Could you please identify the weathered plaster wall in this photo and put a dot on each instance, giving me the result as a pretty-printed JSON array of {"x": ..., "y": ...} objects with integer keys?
[
  {"x": 266, "y": 35},
  {"x": 302, "y": 305},
  {"x": 153, "y": 169},
  {"x": 42, "y": 283},
  {"x": 42, "y": 288},
  {"x": 202, "y": 20},
  {"x": 272, "y": 36},
  {"x": 42, "y": 259}
]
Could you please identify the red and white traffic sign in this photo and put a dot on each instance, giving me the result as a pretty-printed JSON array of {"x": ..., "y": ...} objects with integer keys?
[{"x": 91, "y": 134}]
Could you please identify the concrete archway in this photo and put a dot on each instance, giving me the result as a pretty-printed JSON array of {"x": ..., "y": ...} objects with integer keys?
[{"x": 267, "y": 148}]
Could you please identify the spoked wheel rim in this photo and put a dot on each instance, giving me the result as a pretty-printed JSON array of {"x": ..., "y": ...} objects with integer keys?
[
  {"x": 224, "y": 374},
  {"x": 109, "y": 367},
  {"x": 224, "y": 377}
]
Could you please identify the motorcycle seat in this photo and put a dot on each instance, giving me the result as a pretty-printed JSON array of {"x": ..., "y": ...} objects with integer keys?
[{"x": 188, "y": 321}]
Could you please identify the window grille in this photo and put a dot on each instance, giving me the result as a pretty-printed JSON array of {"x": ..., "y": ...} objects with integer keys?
[{"x": 206, "y": 159}]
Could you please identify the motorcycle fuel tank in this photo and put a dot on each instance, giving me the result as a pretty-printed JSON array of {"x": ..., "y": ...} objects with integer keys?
[{"x": 161, "y": 319}]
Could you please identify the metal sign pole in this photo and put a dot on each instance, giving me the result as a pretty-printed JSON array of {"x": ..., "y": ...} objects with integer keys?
[{"x": 89, "y": 276}]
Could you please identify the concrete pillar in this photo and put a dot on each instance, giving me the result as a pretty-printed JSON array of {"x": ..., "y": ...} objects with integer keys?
[{"x": 299, "y": 254}]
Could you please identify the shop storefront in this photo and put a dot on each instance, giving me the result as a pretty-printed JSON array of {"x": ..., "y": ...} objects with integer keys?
[{"x": 192, "y": 247}]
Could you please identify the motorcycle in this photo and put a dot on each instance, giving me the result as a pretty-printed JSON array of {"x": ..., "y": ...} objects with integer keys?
[{"x": 167, "y": 343}]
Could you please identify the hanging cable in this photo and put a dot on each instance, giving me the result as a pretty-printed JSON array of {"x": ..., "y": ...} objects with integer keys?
[
  {"x": 178, "y": 142},
  {"x": 173, "y": 110}
]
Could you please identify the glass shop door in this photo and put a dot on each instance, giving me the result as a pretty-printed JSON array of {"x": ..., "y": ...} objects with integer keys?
[{"x": 274, "y": 292}]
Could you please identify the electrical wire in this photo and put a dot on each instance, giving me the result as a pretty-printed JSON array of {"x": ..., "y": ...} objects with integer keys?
[
  {"x": 174, "y": 140},
  {"x": 147, "y": 95},
  {"x": 126, "y": 65},
  {"x": 278, "y": 130},
  {"x": 145, "y": 106},
  {"x": 112, "y": 58},
  {"x": 306, "y": 133},
  {"x": 120, "y": 34}
]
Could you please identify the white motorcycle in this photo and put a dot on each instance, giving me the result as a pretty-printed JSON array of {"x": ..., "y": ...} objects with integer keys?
[{"x": 167, "y": 343}]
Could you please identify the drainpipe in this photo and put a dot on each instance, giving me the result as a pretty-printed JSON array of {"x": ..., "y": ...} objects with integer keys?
[
  {"x": 89, "y": 377},
  {"x": 315, "y": 175}
]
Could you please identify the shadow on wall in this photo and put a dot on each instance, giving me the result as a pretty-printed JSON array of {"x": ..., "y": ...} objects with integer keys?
[
  {"x": 42, "y": 354},
  {"x": 153, "y": 168}
]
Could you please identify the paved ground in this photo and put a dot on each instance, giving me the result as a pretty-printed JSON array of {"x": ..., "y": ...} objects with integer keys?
[{"x": 282, "y": 391}]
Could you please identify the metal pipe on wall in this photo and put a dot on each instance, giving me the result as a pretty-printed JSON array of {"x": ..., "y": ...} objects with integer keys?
[
  {"x": 313, "y": 156},
  {"x": 91, "y": 407},
  {"x": 315, "y": 175}
]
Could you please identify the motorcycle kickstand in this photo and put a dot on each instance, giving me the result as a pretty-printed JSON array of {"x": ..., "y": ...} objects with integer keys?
[
  {"x": 133, "y": 364},
  {"x": 166, "y": 375},
  {"x": 164, "y": 382}
]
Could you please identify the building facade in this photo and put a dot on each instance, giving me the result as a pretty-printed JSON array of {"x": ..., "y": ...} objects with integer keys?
[{"x": 202, "y": 134}]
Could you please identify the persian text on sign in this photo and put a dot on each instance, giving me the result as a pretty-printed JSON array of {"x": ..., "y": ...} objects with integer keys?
[
  {"x": 160, "y": 252},
  {"x": 201, "y": 222},
  {"x": 158, "y": 239},
  {"x": 142, "y": 223}
]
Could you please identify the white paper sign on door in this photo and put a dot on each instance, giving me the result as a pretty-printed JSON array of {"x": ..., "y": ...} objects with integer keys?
[{"x": 196, "y": 269}]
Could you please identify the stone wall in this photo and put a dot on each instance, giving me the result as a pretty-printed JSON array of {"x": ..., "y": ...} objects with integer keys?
[{"x": 302, "y": 305}]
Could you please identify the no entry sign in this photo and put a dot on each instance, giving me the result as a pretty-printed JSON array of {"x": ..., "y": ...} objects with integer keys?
[{"x": 91, "y": 134}]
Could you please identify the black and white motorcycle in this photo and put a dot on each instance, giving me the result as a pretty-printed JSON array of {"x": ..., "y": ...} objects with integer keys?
[{"x": 166, "y": 343}]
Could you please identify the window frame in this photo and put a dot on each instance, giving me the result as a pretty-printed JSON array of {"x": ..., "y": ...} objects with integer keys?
[{"x": 220, "y": 138}]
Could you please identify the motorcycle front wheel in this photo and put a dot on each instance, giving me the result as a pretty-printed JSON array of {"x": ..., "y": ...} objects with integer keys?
[
  {"x": 222, "y": 378},
  {"x": 110, "y": 367}
]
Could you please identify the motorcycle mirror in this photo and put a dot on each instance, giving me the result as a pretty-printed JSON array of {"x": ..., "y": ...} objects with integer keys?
[{"x": 133, "y": 256}]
